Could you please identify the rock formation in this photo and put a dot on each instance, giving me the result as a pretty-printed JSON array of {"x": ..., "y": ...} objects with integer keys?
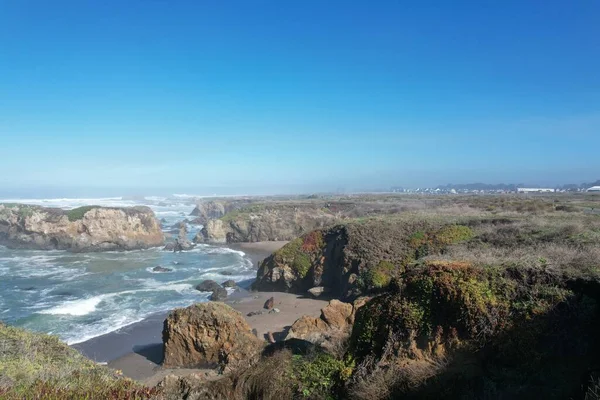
[
  {"x": 208, "y": 334},
  {"x": 265, "y": 222},
  {"x": 82, "y": 229},
  {"x": 355, "y": 258}
]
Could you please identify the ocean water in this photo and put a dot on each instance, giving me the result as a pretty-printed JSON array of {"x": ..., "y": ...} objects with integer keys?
[{"x": 81, "y": 296}]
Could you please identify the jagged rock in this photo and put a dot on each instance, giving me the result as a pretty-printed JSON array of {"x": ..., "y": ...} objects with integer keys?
[
  {"x": 318, "y": 291},
  {"x": 226, "y": 273},
  {"x": 229, "y": 283},
  {"x": 158, "y": 268},
  {"x": 207, "y": 286},
  {"x": 82, "y": 229},
  {"x": 219, "y": 294},
  {"x": 208, "y": 210},
  {"x": 208, "y": 334},
  {"x": 269, "y": 303}
]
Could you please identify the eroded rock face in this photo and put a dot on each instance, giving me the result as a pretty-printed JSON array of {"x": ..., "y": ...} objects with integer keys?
[
  {"x": 208, "y": 334},
  {"x": 79, "y": 230},
  {"x": 208, "y": 210}
]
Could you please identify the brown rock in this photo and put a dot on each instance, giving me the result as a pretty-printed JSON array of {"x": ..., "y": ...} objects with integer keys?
[
  {"x": 269, "y": 303},
  {"x": 307, "y": 328},
  {"x": 208, "y": 334},
  {"x": 337, "y": 314}
]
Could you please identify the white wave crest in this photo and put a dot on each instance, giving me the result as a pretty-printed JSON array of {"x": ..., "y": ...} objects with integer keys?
[{"x": 76, "y": 307}]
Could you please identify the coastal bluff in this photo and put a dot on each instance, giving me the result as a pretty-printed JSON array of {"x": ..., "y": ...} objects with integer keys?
[{"x": 83, "y": 229}]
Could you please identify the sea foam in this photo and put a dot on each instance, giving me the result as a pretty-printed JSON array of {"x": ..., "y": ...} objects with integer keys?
[{"x": 76, "y": 307}]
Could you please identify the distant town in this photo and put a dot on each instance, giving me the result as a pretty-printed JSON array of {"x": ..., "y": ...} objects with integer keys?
[{"x": 483, "y": 188}]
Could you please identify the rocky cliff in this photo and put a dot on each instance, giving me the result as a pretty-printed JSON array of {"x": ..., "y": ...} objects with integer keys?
[
  {"x": 355, "y": 258},
  {"x": 82, "y": 229},
  {"x": 265, "y": 222}
]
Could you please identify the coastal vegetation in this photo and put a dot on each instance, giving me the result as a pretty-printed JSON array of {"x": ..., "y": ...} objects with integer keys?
[
  {"x": 457, "y": 297},
  {"x": 78, "y": 213},
  {"x": 38, "y": 366}
]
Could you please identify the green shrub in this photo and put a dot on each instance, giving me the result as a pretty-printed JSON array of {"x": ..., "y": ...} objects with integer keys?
[
  {"x": 301, "y": 264},
  {"x": 77, "y": 213},
  {"x": 379, "y": 276},
  {"x": 318, "y": 375}
]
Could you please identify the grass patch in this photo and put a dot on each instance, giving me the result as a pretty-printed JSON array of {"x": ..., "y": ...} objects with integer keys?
[
  {"x": 77, "y": 213},
  {"x": 39, "y": 366}
]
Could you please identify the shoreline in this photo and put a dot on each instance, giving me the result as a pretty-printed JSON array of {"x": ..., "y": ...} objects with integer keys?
[{"x": 137, "y": 350}]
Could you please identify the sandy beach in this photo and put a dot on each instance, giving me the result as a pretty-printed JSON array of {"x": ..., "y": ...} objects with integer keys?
[{"x": 137, "y": 351}]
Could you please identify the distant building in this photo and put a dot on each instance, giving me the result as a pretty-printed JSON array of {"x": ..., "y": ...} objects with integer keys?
[
  {"x": 594, "y": 189},
  {"x": 534, "y": 190}
]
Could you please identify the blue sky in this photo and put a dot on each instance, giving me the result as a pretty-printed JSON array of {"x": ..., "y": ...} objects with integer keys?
[{"x": 272, "y": 96}]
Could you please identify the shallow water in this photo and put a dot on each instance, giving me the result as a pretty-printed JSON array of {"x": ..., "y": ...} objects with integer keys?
[{"x": 81, "y": 296}]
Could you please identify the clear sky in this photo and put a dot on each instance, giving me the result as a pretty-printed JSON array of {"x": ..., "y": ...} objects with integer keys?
[{"x": 282, "y": 96}]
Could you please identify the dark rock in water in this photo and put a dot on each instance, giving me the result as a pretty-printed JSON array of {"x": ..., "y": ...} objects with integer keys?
[
  {"x": 197, "y": 221},
  {"x": 208, "y": 286},
  {"x": 177, "y": 263},
  {"x": 29, "y": 288},
  {"x": 201, "y": 236},
  {"x": 229, "y": 283},
  {"x": 158, "y": 268},
  {"x": 64, "y": 293},
  {"x": 179, "y": 245},
  {"x": 226, "y": 273},
  {"x": 163, "y": 221},
  {"x": 269, "y": 303},
  {"x": 219, "y": 294}
]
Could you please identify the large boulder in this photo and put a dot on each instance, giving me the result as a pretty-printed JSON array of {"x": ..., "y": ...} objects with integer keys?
[
  {"x": 89, "y": 228},
  {"x": 219, "y": 294},
  {"x": 208, "y": 286},
  {"x": 208, "y": 334}
]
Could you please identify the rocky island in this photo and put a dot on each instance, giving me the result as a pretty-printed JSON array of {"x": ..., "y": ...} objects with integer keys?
[{"x": 89, "y": 228}]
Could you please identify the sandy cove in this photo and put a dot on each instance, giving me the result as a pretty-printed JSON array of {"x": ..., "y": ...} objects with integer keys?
[{"x": 137, "y": 351}]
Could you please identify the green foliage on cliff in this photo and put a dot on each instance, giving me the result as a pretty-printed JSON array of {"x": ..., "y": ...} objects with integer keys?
[
  {"x": 295, "y": 256},
  {"x": 317, "y": 375},
  {"x": 39, "y": 366},
  {"x": 77, "y": 213},
  {"x": 378, "y": 277}
]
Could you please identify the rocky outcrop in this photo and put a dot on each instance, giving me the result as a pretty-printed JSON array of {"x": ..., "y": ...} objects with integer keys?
[
  {"x": 208, "y": 210},
  {"x": 208, "y": 334},
  {"x": 265, "y": 222},
  {"x": 82, "y": 229},
  {"x": 353, "y": 259},
  {"x": 213, "y": 232}
]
